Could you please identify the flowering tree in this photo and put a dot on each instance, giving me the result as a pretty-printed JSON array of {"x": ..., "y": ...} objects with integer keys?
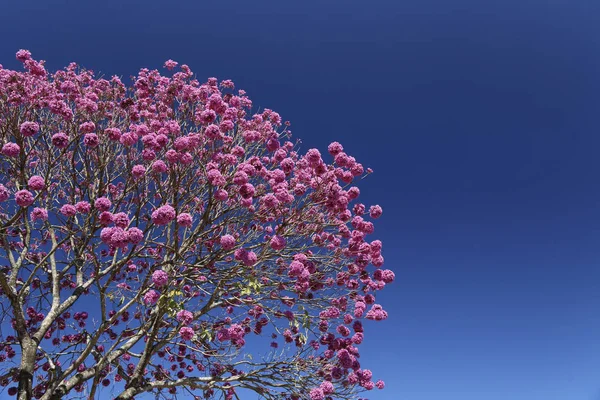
[{"x": 158, "y": 238}]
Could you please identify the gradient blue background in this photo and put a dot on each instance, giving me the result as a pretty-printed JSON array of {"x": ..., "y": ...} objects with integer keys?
[{"x": 480, "y": 120}]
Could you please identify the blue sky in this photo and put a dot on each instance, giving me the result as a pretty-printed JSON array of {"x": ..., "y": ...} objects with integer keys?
[{"x": 480, "y": 121}]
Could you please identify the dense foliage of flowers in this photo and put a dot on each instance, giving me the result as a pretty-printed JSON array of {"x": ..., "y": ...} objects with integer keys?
[{"x": 149, "y": 233}]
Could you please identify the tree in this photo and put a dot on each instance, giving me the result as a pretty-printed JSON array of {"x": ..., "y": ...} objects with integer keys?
[{"x": 158, "y": 238}]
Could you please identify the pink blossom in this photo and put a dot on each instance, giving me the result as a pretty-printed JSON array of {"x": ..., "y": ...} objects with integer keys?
[
  {"x": 68, "y": 210},
  {"x": 317, "y": 394},
  {"x": 159, "y": 167},
  {"x": 221, "y": 195},
  {"x": 29, "y": 128},
  {"x": 172, "y": 156},
  {"x": 39, "y": 213},
  {"x": 375, "y": 211},
  {"x": 36, "y": 182},
  {"x": 113, "y": 133},
  {"x": 335, "y": 148},
  {"x": 377, "y": 313},
  {"x": 277, "y": 242},
  {"x": 4, "y": 193},
  {"x": 60, "y": 140},
  {"x": 227, "y": 242},
  {"x": 135, "y": 235},
  {"x": 160, "y": 278},
  {"x": 170, "y": 64},
  {"x": 106, "y": 218},
  {"x": 102, "y": 204},
  {"x": 119, "y": 238},
  {"x": 87, "y": 127},
  {"x": 240, "y": 178},
  {"x": 327, "y": 387},
  {"x": 11, "y": 149},
  {"x": 151, "y": 297},
  {"x": 163, "y": 215},
  {"x": 380, "y": 384},
  {"x": 186, "y": 333},
  {"x": 91, "y": 140},
  {"x": 83, "y": 207},
  {"x": 314, "y": 157},
  {"x": 247, "y": 190},
  {"x": 184, "y": 219},
  {"x": 215, "y": 178},
  {"x": 23, "y": 55},
  {"x": 106, "y": 234},
  {"x": 128, "y": 139},
  {"x": 357, "y": 338},
  {"x": 181, "y": 143},
  {"x": 24, "y": 198},
  {"x": 185, "y": 317},
  {"x": 250, "y": 258}
]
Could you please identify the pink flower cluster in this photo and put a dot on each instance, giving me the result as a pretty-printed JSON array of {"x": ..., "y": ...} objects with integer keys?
[
  {"x": 185, "y": 317},
  {"x": 119, "y": 238},
  {"x": 36, "y": 182},
  {"x": 163, "y": 215},
  {"x": 160, "y": 278},
  {"x": 29, "y": 128}
]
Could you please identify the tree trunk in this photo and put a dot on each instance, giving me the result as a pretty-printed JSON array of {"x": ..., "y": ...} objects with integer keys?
[{"x": 25, "y": 390}]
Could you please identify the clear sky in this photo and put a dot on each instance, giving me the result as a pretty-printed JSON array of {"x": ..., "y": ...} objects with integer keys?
[{"x": 480, "y": 120}]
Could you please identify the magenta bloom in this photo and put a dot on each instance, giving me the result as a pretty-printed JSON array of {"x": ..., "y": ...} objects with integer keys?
[
  {"x": 247, "y": 190},
  {"x": 91, "y": 140},
  {"x": 24, "y": 198},
  {"x": 119, "y": 238},
  {"x": 29, "y": 128},
  {"x": 227, "y": 242},
  {"x": 380, "y": 384},
  {"x": 186, "y": 333},
  {"x": 184, "y": 219},
  {"x": 317, "y": 394},
  {"x": 250, "y": 258},
  {"x": 135, "y": 235},
  {"x": 159, "y": 167},
  {"x": 39, "y": 213},
  {"x": 83, "y": 207},
  {"x": 160, "y": 278},
  {"x": 163, "y": 215},
  {"x": 36, "y": 182},
  {"x": 377, "y": 313},
  {"x": 106, "y": 235},
  {"x": 215, "y": 178},
  {"x": 121, "y": 220},
  {"x": 4, "y": 193},
  {"x": 277, "y": 242},
  {"x": 314, "y": 157},
  {"x": 138, "y": 171},
  {"x": 185, "y": 317},
  {"x": 102, "y": 204},
  {"x": 170, "y": 64},
  {"x": 68, "y": 210},
  {"x": 60, "y": 140},
  {"x": 151, "y": 297},
  {"x": 221, "y": 195},
  {"x": 327, "y": 387},
  {"x": 106, "y": 218},
  {"x": 335, "y": 148},
  {"x": 23, "y": 55},
  {"x": 87, "y": 127},
  {"x": 11, "y": 149},
  {"x": 375, "y": 211}
]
